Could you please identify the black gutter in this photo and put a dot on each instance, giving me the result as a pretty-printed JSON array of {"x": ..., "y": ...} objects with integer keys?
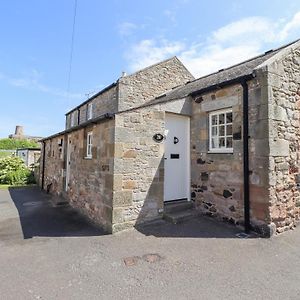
[
  {"x": 242, "y": 80},
  {"x": 43, "y": 168},
  {"x": 92, "y": 97},
  {"x": 107, "y": 116},
  {"x": 220, "y": 85}
]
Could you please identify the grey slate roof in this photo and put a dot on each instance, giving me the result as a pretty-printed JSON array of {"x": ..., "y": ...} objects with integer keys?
[{"x": 242, "y": 69}]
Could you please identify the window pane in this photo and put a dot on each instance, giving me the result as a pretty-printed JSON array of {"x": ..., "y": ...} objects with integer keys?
[
  {"x": 229, "y": 142},
  {"x": 221, "y": 119},
  {"x": 222, "y": 142},
  {"x": 221, "y": 130},
  {"x": 214, "y": 120},
  {"x": 214, "y": 142},
  {"x": 229, "y": 117},
  {"x": 214, "y": 131},
  {"x": 229, "y": 130}
]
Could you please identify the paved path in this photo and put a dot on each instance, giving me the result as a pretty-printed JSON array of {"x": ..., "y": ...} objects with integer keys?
[{"x": 50, "y": 252}]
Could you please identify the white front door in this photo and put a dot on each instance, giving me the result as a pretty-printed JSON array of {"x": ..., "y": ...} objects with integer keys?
[
  {"x": 68, "y": 162},
  {"x": 177, "y": 158}
]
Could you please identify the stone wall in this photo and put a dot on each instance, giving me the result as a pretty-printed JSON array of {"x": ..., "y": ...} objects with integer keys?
[
  {"x": 144, "y": 85},
  {"x": 139, "y": 163},
  {"x": 259, "y": 155},
  {"x": 217, "y": 178},
  {"x": 104, "y": 103},
  {"x": 134, "y": 90},
  {"x": 91, "y": 180},
  {"x": 284, "y": 121},
  {"x": 54, "y": 166}
]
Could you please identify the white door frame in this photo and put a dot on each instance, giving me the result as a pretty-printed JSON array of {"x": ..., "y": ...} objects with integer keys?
[
  {"x": 188, "y": 159},
  {"x": 68, "y": 161}
]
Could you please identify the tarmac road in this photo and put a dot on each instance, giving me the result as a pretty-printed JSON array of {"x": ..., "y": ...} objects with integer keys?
[{"x": 51, "y": 252}]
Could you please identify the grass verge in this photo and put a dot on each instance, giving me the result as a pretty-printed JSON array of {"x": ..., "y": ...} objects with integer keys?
[{"x": 7, "y": 186}]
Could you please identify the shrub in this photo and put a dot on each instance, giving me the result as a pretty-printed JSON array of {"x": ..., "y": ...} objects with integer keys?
[{"x": 14, "y": 172}]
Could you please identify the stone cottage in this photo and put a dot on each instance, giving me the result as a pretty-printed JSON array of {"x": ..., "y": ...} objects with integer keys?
[{"x": 159, "y": 143}]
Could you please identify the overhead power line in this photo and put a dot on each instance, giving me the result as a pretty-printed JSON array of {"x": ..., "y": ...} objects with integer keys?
[{"x": 72, "y": 47}]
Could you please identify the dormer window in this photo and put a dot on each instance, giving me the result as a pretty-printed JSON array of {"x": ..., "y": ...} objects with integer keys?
[
  {"x": 72, "y": 119},
  {"x": 90, "y": 111}
]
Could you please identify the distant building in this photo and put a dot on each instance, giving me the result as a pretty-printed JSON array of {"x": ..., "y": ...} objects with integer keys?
[
  {"x": 30, "y": 156},
  {"x": 19, "y": 135}
]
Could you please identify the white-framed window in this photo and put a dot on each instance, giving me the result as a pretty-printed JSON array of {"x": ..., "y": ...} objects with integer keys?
[
  {"x": 72, "y": 119},
  {"x": 90, "y": 111},
  {"x": 89, "y": 145},
  {"x": 220, "y": 131}
]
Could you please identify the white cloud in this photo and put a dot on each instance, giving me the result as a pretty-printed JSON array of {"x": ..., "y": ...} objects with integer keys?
[
  {"x": 213, "y": 58},
  {"x": 126, "y": 28},
  {"x": 223, "y": 47},
  {"x": 290, "y": 27},
  {"x": 258, "y": 28},
  {"x": 148, "y": 52},
  {"x": 31, "y": 81}
]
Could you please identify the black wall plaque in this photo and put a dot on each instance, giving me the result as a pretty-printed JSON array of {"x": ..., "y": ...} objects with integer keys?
[{"x": 158, "y": 137}]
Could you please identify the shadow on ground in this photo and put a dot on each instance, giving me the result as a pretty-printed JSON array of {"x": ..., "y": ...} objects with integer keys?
[
  {"x": 38, "y": 216},
  {"x": 197, "y": 227}
]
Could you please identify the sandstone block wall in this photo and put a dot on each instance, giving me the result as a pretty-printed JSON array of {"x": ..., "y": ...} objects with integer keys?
[
  {"x": 139, "y": 163},
  {"x": 217, "y": 178},
  {"x": 102, "y": 104},
  {"x": 91, "y": 180},
  {"x": 54, "y": 166},
  {"x": 134, "y": 90},
  {"x": 144, "y": 85},
  {"x": 284, "y": 122},
  {"x": 138, "y": 168}
]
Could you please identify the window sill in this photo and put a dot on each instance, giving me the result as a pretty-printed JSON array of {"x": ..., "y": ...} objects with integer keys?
[
  {"x": 220, "y": 152},
  {"x": 88, "y": 157}
]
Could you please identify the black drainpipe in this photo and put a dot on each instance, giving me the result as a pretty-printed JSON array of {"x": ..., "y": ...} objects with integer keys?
[
  {"x": 246, "y": 156},
  {"x": 246, "y": 172},
  {"x": 43, "y": 168}
]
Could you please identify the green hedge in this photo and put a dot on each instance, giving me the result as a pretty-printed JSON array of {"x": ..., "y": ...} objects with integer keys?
[
  {"x": 11, "y": 144},
  {"x": 14, "y": 172}
]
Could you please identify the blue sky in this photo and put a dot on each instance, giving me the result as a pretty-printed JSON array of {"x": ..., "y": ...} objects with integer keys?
[{"x": 120, "y": 35}]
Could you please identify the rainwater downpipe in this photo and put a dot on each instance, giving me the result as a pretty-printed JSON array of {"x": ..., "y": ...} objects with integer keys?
[
  {"x": 246, "y": 171},
  {"x": 43, "y": 168}
]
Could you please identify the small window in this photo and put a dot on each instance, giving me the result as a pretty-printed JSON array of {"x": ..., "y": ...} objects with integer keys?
[
  {"x": 90, "y": 111},
  {"x": 220, "y": 131},
  {"x": 61, "y": 148},
  {"x": 89, "y": 145},
  {"x": 72, "y": 119}
]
